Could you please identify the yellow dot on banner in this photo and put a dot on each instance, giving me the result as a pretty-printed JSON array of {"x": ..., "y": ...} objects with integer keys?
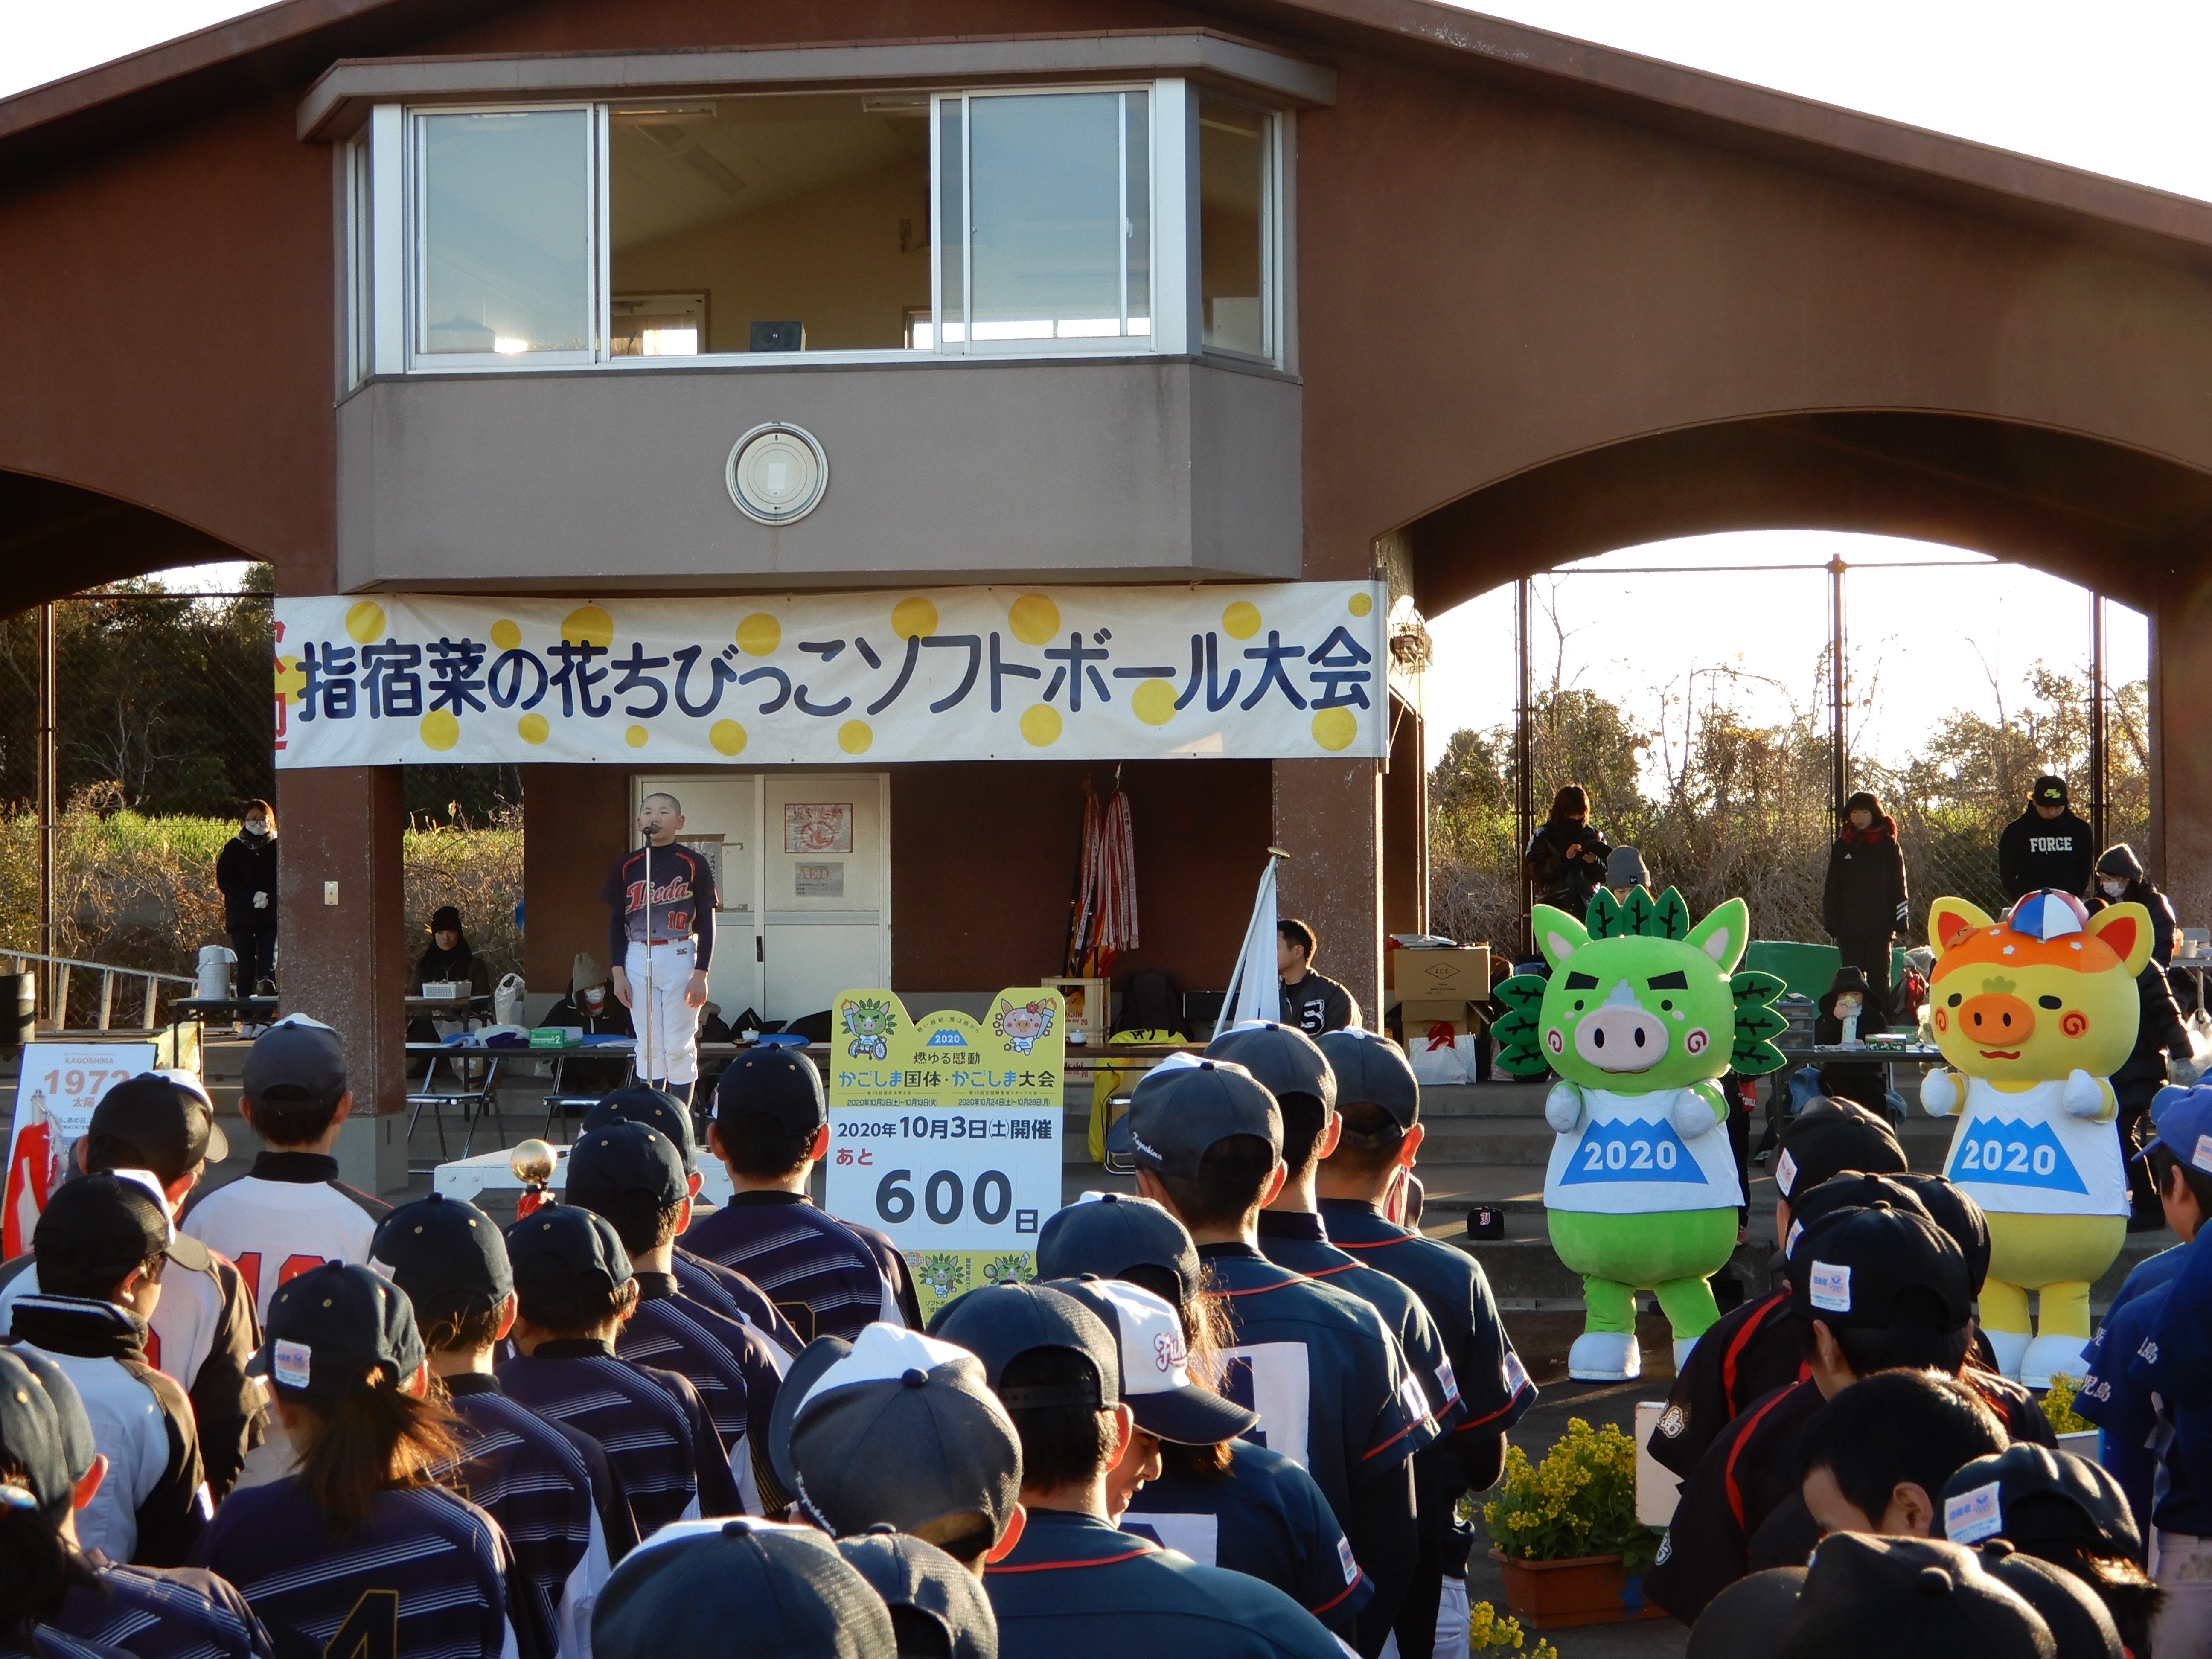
[
  {"x": 635, "y": 736},
  {"x": 364, "y": 621},
  {"x": 1040, "y": 725},
  {"x": 1335, "y": 728},
  {"x": 727, "y": 737},
  {"x": 914, "y": 619},
  {"x": 439, "y": 729},
  {"x": 290, "y": 681},
  {"x": 854, "y": 737},
  {"x": 1360, "y": 604},
  {"x": 759, "y": 633},
  {"x": 532, "y": 728},
  {"x": 1241, "y": 621},
  {"x": 587, "y": 624},
  {"x": 1034, "y": 618},
  {"x": 505, "y": 634},
  {"x": 1154, "y": 702}
]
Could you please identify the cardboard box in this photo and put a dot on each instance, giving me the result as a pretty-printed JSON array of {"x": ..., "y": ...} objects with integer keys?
[
  {"x": 1434, "y": 975},
  {"x": 1426, "y": 1011},
  {"x": 1090, "y": 1007}
]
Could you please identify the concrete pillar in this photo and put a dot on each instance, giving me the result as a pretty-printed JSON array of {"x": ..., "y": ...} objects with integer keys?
[
  {"x": 343, "y": 938},
  {"x": 580, "y": 816},
  {"x": 1328, "y": 817},
  {"x": 1406, "y": 826},
  {"x": 2180, "y": 852}
]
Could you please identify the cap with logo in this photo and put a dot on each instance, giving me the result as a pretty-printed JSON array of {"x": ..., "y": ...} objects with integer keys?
[
  {"x": 640, "y": 1103},
  {"x": 447, "y": 1255},
  {"x": 694, "y": 1586},
  {"x": 167, "y": 1117},
  {"x": 2049, "y": 791},
  {"x": 337, "y": 1331},
  {"x": 104, "y": 1224},
  {"x": 1880, "y": 1266},
  {"x": 624, "y": 1162},
  {"x": 2182, "y": 1120},
  {"x": 780, "y": 1083},
  {"x": 1371, "y": 1070},
  {"x": 893, "y": 1426},
  {"x": 1907, "y": 1598},
  {"x": 2079, "y": 1623},
  {"x": 1282, "y": 1059},
  {"x": 1110, "y": 1233},
  {"x": 1184, "y": 1107},
  {"x": 1155, "y": 1383},
  {"x": 561, "y": 1251},
  {"x": 31, "y": 1435},
  {"x": 2037, "y": 1497},
  {"x": 296, "y": 1053},
  {"x": 1830, "y": 1137},
  {"x": 1850, "y": 1191},
  {"x": 1000, "y": 1323},
  {"x": 937, "y": 1606}
]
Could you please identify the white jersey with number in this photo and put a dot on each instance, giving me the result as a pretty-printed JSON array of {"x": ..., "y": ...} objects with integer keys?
[
  {"x": 274, "y": 1230},
  {"x": 1627, "y": 1157},
  {"x": 2026, "y": 1154}
]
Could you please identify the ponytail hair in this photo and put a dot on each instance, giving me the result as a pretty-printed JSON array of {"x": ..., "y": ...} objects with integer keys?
[
  {"x": 353, "y": 1448},
  {"x": 36, "y": 1565}
]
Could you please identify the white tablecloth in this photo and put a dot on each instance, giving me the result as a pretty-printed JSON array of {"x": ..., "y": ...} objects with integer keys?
[{"x": 467, "y": 1178}]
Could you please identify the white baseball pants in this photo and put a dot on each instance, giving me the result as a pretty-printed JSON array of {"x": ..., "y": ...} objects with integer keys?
[{"x": 667, "y": 1031}]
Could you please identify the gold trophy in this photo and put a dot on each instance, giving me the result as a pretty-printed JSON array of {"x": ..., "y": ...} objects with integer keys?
[{"x": 532, "y": 1163}]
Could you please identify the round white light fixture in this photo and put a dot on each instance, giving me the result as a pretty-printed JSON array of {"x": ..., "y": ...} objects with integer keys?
[{"x": 777, "y": 473}]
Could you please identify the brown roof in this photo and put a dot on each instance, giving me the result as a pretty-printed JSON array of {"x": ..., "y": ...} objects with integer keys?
[{"x": 287, "y": 45}]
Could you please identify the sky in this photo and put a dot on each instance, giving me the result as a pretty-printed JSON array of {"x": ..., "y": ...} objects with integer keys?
[{"x": 2116, "y": 88}]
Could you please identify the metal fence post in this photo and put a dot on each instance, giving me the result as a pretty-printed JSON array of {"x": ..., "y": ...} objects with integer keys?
[
  {"x": 48, "y": 785},
  {"x": 1524, "y": 799}
]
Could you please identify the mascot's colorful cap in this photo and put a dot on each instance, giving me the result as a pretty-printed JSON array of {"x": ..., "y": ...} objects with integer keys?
[{"x": 2048, "y": 915}]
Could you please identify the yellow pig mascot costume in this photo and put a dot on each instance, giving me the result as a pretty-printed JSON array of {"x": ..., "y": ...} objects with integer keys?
[{"x": 2035, "y": 1012}]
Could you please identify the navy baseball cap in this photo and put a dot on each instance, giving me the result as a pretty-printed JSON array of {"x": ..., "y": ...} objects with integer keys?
[
  {"x": 640, "y": 1103},
  {"x": 1183, "y": 1107},
  {"x": 1908, "y": 1598},
  {"x": 893, "y": 1427},
  {"x": 777, "y": 1082},
  {"x": 2035, "y": 1496},
  {"x": 1281, "y": 1058},
  {"x": 104, "y": 1224},
  {"x": 1000, "y": 1322},
  {"x": 1847, "y": 1192},
  {"x": 2079, "y": 1624},
  {"x": 1830, "y": 1137},
  {"x": 166, "y": 1118},
  {"x": 624, "y": 1162},
  {"x": 32, "y": 1434},
  {"x": 1745, "y": 1620},
  {"x": 937, "y": 1606},
  {"x": 1155, "y": 1383},
  {"x": 1371, "y": 1070},
  {"x": 1880, "y": 1266},
  {"x": 2184, "y": 1125},
  {"x": 1950, "y": 1208},
  {"x": 297, "y": 1053},
  {"x": 447, "y": 1255},
  {"x": 784, "y": 1592},
  {"x": 1109, "y": 1233},
  {"x": 558, "y": 1251},
  {"x": 337, "y": 1331}
]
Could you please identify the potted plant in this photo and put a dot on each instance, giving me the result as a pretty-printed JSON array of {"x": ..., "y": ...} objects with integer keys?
[{"x": 1566, "y": 1534}]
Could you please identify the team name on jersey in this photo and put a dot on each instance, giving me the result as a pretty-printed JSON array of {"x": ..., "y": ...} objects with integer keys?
[
  {"x": 674, "y": 891},
  {"x": 2051, "y": 843}
]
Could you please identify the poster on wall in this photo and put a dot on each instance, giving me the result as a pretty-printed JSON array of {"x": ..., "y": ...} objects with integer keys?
[
  {"x": 945, "y": 1132},
  {"x": 1264, "y": 670},
  {"x": 817, "y": 826},
  {"x": 57, "y": 1086}
]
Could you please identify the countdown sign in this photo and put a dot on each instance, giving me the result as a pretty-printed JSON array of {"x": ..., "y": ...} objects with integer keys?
[
  {"x": 945, "y": 1132},
  {"x": 57, "y": 1086}
]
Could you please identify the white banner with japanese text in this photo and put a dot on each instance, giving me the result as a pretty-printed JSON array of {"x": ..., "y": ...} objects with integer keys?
[{"x": 1280, "y": 671}]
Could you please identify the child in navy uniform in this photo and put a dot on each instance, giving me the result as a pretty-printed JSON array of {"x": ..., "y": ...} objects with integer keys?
[
  {"x": 1207, "y": 1140},
  {"x": 549, "y": 1487},
  {"x": 362, "y": 1547},
  {"x": 660, "y": 902},
  {"x": 575, "y": 1288}
]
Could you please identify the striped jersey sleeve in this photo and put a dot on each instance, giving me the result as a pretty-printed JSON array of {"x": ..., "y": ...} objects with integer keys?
[
  {"x": 527, "y": 1476},
  {"x": 821, "y": 1278},
  {"x": 646, "y": 1433},
  {"x": 153, "y": 1612}
]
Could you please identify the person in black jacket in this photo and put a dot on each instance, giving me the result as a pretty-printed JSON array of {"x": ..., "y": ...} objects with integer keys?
[
  {"x": 2046, "y": 846},
  {"x": 2162, "y": 1051},
  {"x": 246, "y": 874},
  {"x": 449, "y": 959},
  {"x": 1566, "y": 857},
  {"x": 1864, "y": 902},
  {"x": 2121, "y": 880}
]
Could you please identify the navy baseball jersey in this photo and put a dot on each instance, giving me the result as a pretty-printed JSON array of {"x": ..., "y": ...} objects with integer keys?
[
  {"x": 426, "y": 1575},
  {"x": 727, "y": 1361},
  {"x": 732, "y": 1294},
  {"x": 678, "y": 902},
  {"x": 2115, "y": 1398},
  {"x": 1075, "y": 1588},
  {"x": 528, "y": 1476},
  {"x": 1297, "y": 1240},
  {"x": 890, "y": 1261},
  {"x": 49, "y": 1642},
  {"x": 2172, "y": 1365},
  {"x": 1263, "y": 1516},
  {"x": 1494, "y": 1389},
  {"x": 1330, "y": 1380},
  {"x": 821, "y": 1278},
  {"x": 637, "y": 1418},
  {"x": 155, "y": 1612}
]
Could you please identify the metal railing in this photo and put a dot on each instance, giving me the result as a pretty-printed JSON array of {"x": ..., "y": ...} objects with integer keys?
[{"x": 57, "y": 991}]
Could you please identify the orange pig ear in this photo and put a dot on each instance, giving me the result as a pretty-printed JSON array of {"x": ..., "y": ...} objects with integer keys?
[
  {"x": 1950, "y": 921},
  {"x": 2127, "y": 929}
]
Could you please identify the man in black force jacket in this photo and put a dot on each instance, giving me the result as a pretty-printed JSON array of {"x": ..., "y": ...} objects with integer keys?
[{"x": 2046, "y": 846}]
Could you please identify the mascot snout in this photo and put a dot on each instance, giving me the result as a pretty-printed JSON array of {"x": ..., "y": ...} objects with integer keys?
[{"x": 1622, "y": 1036}]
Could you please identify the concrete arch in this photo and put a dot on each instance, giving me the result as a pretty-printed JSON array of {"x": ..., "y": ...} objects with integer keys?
[{"x": 61, "y": 538}]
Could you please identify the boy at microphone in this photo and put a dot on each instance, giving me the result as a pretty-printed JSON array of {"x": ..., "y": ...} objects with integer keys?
[{"x": 660, "y": 901}]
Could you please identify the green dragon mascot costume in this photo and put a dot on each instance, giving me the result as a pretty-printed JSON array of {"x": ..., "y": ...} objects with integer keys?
[{"x": 1642, "y": 1016}]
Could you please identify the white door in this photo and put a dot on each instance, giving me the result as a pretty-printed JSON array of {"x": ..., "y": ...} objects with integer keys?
[
  {"x": 825, "y": 898},
  {"x": 721, "y": 820}
]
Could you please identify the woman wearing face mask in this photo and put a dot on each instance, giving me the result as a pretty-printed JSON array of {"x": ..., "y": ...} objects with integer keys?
[
  {"x": 2121, "y": 880},
  {"x": 246, "y": 874},
  {"x": 2161, "y": 1053}
]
